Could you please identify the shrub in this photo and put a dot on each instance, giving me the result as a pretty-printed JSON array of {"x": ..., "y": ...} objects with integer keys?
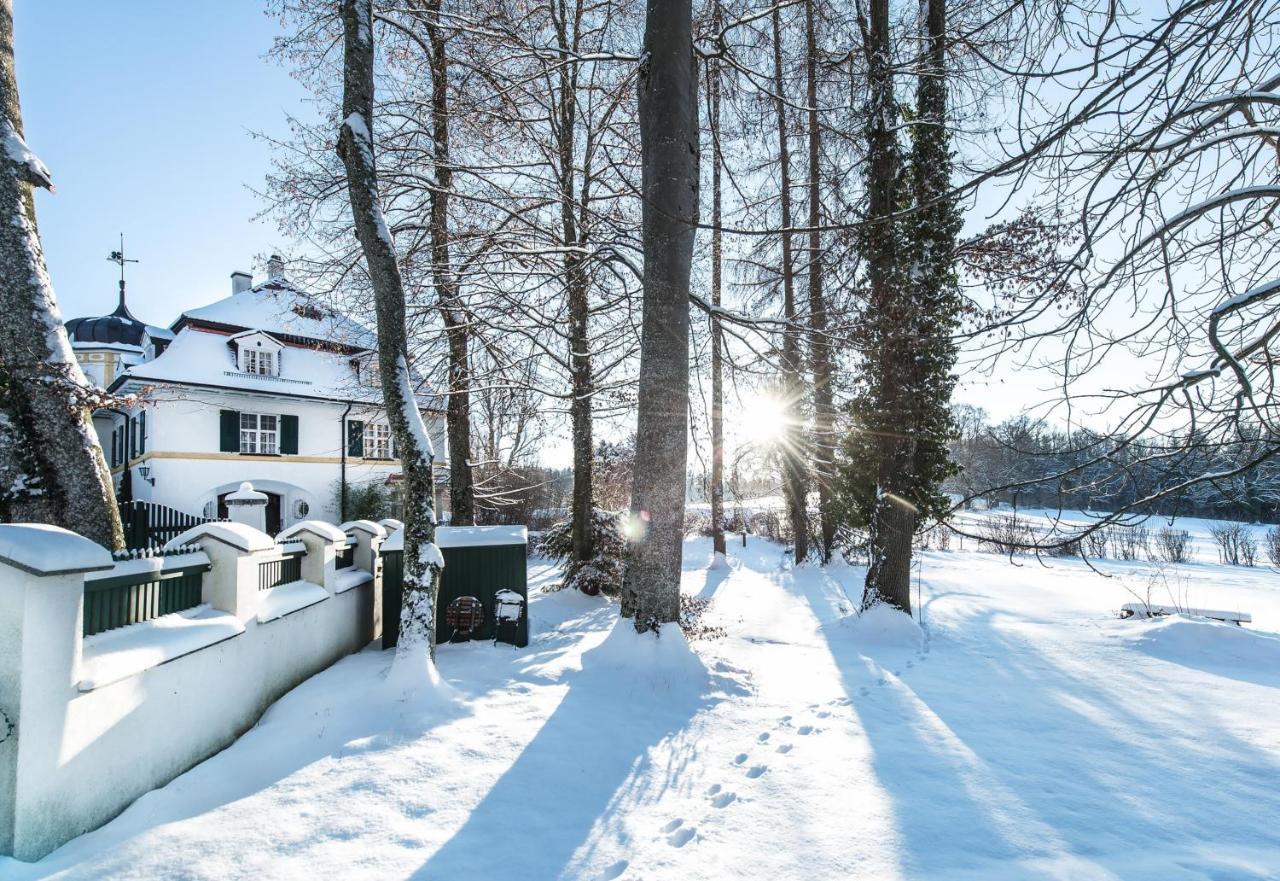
[
  {"x": 1236, "y": 544},
  {"x": 1172, "y": 545},
  {"x": 1067, "y": 549},
  {"x": 692, "y": 611},
  {"x": 1273, "y": 545},
  {"x": 1006, "y": 534},
  {"x": 1129, "y": 542},
  {"x": 936, "y": 537},
  {"x": 1095, "y": 543},
  {"x": 602, "y": 574}
]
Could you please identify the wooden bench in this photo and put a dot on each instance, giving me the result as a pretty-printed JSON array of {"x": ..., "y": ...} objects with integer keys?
[{"x": 1144, "y": 610}]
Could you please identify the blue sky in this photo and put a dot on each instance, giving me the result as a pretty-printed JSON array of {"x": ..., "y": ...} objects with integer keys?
[{"x": 142, "y": 110}]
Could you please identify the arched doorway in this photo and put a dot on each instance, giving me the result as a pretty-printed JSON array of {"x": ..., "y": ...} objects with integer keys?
[{"x": 273, "y": 510}]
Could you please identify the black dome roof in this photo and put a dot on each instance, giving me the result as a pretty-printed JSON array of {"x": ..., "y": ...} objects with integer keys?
[{"x": 119, "y": 327}]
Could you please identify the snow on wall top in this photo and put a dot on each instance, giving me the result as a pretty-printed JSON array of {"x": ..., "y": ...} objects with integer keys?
[
  {"x": 317, "y": 527},
  {"x": 481, "y": 536},
  {"x": 239, "y": 535},
  {"x": 277, "y": 308},
  {"x": 50, "y": 550}
]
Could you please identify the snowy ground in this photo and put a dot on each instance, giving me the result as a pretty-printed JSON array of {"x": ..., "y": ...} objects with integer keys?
[{"x": 1025, "y": 732}]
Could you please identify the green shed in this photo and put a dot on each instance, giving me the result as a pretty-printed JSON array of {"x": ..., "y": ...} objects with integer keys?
[{"x": 479, "y": 562}]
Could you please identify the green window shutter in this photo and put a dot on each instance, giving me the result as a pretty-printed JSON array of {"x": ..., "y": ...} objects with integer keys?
[
  {"x": 115, "y": 453},
  {"x": 142, "y": 432},
  {"x": 355, "y": 438},
  {"x": 289, "y": 435},
  {"x": 229, "y": 431},
  {"x": 133, "y": 437}
]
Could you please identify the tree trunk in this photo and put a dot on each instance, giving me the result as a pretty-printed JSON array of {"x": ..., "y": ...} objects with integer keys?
[
  {"x": 51, "y": 465},
  {"x": 892, "y": 515},
  {"x": 795, "y": 472},
  {"x": 355, "y": 147},
  {"x": 819, "y": 344},
  {"x": 668, "y": 85},
  {"x": 462, "y": 509},
  {"x": 717, "y": 338}
]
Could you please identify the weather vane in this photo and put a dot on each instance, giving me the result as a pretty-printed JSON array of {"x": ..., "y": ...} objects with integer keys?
[{"x": 119, "y": 258}]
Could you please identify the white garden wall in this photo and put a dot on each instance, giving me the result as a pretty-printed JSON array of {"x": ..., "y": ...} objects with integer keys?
[{"x": 98, "y": 721}]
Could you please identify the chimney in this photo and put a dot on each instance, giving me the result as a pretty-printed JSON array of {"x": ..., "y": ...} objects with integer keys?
[
  {"x": 275, "y": 268},
  {"x": 241, "y": 282}
]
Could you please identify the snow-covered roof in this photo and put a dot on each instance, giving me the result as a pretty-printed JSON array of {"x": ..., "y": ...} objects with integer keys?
[
  {"x": 203, "y": 358},
  {"x": 278, "y": 308}
]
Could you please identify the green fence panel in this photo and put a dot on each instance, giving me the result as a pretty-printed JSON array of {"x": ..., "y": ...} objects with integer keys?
[
  {"x": 121, "y": 600},
  {"x": 478, "y": 572}
]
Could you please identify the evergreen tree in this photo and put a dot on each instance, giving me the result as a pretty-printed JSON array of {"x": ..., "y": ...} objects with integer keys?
[{"x": 897, "y": 450}]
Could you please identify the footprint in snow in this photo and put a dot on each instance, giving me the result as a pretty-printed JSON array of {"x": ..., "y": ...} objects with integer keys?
[
  {"x": 864, "y": 691},
  {"x": 673, "y": 825},
  {"x": 681, "y": 837},
  {"x": 824, "y": 714},
  {"x": 784, "y": 748},
  {"x": 713, "y": 789},
  {"x": 740, "y": 758},
  {"x": 724, "y": 799},
  {"x": 614, "y": 871},
  {"x": 764, "y": 736},
  {"x": 804, "y": 729},
  {"x": 785, "y": 720},
  {"x": 756, "y": 770}
]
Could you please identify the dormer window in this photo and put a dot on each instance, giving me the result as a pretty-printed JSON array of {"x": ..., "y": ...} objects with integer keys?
[
  {"x": 257, "y": 353},
  {"x": 262, "y": 363}
]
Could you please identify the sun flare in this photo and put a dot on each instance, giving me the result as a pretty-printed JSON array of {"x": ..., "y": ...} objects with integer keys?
[{"x": 762, "y": 419}]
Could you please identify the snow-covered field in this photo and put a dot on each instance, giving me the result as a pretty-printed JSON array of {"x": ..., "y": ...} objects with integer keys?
[{"x": 1023, "y": 732}]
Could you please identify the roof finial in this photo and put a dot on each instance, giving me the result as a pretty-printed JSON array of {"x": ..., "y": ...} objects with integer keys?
[{"x": 119, "y": 258}]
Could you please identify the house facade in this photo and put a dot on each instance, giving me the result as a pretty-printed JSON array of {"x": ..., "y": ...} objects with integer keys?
[{"x": 266, "y": 385}]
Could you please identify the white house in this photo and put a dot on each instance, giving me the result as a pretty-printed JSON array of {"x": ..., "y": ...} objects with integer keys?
[{"x": 267, "y": 385}]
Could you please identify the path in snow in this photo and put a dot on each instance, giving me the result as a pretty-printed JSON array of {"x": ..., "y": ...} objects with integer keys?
[{"x": 1024, "y": 733}]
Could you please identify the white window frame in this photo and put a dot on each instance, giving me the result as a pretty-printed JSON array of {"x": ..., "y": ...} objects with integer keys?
[
  {"x": 260, "y": 434},
  {"x": 377, "y": 440},
  {"x": 259, "y": 362}
]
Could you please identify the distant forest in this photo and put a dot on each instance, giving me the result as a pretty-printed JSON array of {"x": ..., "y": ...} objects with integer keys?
[{"x": 1028, "y": 463}]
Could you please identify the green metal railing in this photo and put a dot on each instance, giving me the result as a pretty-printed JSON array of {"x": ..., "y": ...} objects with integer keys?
[
  {"x": 284, "y": 570},
  {"x": 121, "y": 600}
]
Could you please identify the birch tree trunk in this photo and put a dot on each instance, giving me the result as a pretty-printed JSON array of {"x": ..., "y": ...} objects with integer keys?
[
  {"x": 795, "y": 472},
  {"x": 51, "y": 465},
  {"x": 462, "y": 510},
  {"x": 717, "y": 333},
  {"x": 819, "y": 343},
  {"x": 422, "y": 560},
  {"x": 668, "y": 85}
]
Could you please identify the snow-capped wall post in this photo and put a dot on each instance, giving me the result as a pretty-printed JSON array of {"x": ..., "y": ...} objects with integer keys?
[
  {"x": 369, "y": 536},
  {"x": 322, "y": 541},
  {"x": 248, "y": 506},
  {"x": 42, "y": 571},
  {"x": 356, "y": 149},
  {"x": 231, "y": 585},
  {"x": 51, "y": 465}
]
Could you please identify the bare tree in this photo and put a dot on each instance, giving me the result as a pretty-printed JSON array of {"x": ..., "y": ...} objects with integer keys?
[
  {"x": 669, "y": 159},
  {"x": 713, "y": 75},
  {"x": 355, "y": 147},
  {"x": 51, "y": 465}
]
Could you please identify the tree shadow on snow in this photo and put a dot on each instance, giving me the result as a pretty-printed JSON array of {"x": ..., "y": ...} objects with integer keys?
[
  {"x": 997, "y": 748},
  {"x": 572, "y": 777}
]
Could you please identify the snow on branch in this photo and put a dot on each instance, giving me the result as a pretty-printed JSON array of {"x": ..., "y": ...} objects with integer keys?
[{"x": 30, "y": 169}]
